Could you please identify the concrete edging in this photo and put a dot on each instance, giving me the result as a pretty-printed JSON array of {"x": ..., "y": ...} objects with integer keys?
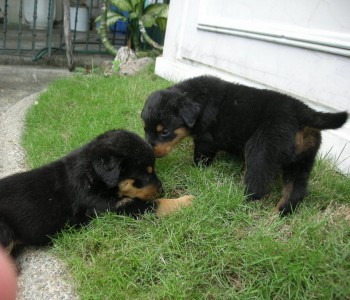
[{"x": 41, "y": 275}]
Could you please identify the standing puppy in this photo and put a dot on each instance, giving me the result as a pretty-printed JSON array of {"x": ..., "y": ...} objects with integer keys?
[
  {"x": 114, "y": 172},
  {"x": 274, "y": 132}
]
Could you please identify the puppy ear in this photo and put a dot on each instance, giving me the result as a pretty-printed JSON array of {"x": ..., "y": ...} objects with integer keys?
[
  {"x": 107, "y": 168},
  {"x": 189, "y": 112}
]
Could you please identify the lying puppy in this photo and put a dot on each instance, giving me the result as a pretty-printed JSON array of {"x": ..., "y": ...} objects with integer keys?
[
  {"x": 274, "y": 132},
  {"x": 114, "y": 172}
]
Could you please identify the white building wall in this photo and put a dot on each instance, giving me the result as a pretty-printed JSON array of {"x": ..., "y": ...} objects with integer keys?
[{"x": 298, "y": 47}]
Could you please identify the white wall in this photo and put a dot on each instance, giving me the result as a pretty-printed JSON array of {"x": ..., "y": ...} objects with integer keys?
[{"x": 298, "y": 47}]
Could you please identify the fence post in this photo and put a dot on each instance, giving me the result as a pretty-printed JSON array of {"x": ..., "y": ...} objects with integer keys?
[
  {"x": 67, "y": 35},
  {"x": 50, "y": 27},
  {"x": 5, "y": 25}
]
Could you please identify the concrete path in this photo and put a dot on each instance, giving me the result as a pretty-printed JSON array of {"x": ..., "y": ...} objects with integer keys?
[{"x": 41, "y": 276}]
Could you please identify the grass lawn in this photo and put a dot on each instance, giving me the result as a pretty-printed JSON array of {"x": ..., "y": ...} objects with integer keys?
[{"x": 222, "y": 247}]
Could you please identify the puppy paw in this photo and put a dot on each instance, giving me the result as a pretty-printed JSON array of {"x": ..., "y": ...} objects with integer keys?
[
  {"x": 283, "y": 210},
  {"x": 167, "y": 206}
]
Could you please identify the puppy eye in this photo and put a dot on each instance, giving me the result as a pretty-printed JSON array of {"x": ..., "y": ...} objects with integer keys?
[{"x": 164, "y": 132}]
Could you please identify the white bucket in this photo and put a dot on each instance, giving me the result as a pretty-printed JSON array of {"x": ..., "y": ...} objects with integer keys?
[
  {"x": 42, "y": 13},
  {"x": 82, "y": 18}
]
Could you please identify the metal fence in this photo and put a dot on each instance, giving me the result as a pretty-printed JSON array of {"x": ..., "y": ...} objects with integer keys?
[{"x": 35, "y": 28}]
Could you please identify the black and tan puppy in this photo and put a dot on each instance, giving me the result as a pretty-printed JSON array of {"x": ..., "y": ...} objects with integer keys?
[
  {"x": 114, "y": 172},
  {"x": 274, "y": 132}
]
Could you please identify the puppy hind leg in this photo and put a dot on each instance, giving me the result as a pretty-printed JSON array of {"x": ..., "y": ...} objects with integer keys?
[
  {"x": 296, "y": 175},
  {"x": 258, "y": 179},
  {"x": 7, "y": 237},
  {"x": 294, "y": 190},
  {"x": 295, "y": 179},
  {"x": 261, "y": 170}
]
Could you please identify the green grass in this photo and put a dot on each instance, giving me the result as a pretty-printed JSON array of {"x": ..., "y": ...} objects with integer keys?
[{"x": 222, "y": 247}]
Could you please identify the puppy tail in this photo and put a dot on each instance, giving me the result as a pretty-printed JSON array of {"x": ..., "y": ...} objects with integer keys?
[{"x": 322, "y": 120}]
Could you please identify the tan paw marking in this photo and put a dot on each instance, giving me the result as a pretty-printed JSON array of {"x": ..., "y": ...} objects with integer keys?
[{"x": 167, "y": 206}]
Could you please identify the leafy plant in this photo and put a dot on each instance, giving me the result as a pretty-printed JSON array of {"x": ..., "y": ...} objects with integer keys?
[{"x": 139, "y": 18}]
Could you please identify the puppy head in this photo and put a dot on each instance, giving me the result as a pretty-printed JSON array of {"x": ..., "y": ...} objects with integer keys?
[
  {"x": 124, "y": 161},
  {"x": 168, "y": 116}
]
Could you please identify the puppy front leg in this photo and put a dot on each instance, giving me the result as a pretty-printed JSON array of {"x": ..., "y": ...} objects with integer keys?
[
  {"x": 168, "y": 206},
  {"x": 204, "y": 153},
  {"x": 136, "y": 207}
]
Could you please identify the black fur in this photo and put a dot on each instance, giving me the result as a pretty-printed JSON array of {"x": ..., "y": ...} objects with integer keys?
[
  {"x": 273, "y": 131},
  {"x": 71, "y": 190}
]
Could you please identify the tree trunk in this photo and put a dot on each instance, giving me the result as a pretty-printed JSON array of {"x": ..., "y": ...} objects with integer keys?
[{"x": 67, "y": 35}]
